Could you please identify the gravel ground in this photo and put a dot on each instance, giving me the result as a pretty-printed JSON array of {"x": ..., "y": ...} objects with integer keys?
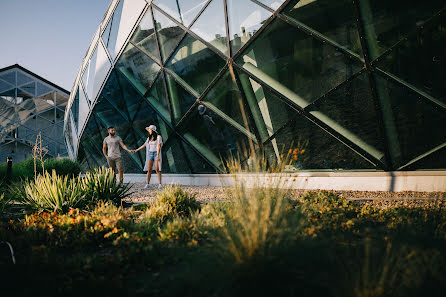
[{"x": 377, "y": 199}]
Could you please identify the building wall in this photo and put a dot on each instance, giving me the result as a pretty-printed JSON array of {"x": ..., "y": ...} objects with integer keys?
[{"x": 325, "y": 85}]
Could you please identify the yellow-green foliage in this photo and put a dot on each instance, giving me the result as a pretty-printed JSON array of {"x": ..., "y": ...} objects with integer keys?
[{"x": 51, "y": 192}]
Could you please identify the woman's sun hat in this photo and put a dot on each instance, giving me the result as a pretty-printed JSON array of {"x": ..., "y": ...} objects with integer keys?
[{"x": 152, "y": 127}]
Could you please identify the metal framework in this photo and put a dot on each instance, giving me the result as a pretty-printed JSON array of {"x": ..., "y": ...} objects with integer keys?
[
  {"x": 396, "y": 152},
  {"x": 29, "y": 105}
]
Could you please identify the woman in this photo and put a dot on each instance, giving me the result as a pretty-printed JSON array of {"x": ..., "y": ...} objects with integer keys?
[{"x": 153, "y": 146}]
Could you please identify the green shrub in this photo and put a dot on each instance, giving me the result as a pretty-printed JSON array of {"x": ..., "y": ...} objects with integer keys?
[
  {"x": 100, "y": 185},
  {"x": 25, "y": 169},
  {"x": 187, "y": 231},
  {"x": 51, "y": 192},
  {"x": 172, "y": 202}
]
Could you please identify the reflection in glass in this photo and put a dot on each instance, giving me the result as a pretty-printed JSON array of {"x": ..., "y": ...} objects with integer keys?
[
  {"x": 138, "y": 68},
  {"x": 309, "y": 147},
  {"x": 169, "y": 33},
  {"x": 180, "y": 99},
  {"x": 158, "y": 98},
  {"x": 110, "y": 35},
  {"x": 384, "y": 29},
  {"x": 417, "y": 122},
  {"x": 427, "y": 71},
  {"x": 245, "y": 18},
  {"x": 184, "y": 11},
  {"x": 333, "y": 19},
  {"x": 350, "y": 110},
  {"x": 89, "y": 74},
  {"x": 144, "y": 36},
  {"x": 211, "y": 26},
  {"x": 274, "y": 4},
  {"x": 212, "y": 136},
  {"x": 299, "y": 66},
  {"x": 196, "y": 64}
]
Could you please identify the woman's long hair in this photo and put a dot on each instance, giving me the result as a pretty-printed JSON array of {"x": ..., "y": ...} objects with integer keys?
[{"x": 153, "y": 136}]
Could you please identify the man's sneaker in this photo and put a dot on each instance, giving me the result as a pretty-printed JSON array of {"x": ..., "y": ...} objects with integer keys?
[
  {"x": 160, "y": 186},
  {"x": 147, "y": 186}
]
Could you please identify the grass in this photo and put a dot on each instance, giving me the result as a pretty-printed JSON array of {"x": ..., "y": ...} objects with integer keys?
[{"x": 260, "y": 243}]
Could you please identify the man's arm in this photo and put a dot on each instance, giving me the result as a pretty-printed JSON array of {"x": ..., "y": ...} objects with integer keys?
[
  {"x": 123, "y": 146},
  {"x": 104, "y": 150}
]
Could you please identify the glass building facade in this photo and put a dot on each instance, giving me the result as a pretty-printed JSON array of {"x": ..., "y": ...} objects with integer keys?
[
  {"x": 29, "y": 105},
  {"x": 337, "y": 85}
]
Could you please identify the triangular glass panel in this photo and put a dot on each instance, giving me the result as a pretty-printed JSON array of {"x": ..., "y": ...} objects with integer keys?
[
  {"x": 350, "y": 111},
  {"x": 413, "y": 122},
  {"x": 9, "y": 77},
  {"x": 198, "y": 163},
  {"x": 299, "y": 67},
  {"x": 138, "y": 68},
  {"x": 169, "y": 33},
  {"x": 42, "y": 89},
  {"x": 116, "y": 97},
  {"x": 131, "y": 97},
  {"x": 23, "y": 79},
  {"x": 29, "y": 88},
  {"x": 245, "y": 18},
  {"x": 157, "y": 96},
  {"x": 180, "y": 99},
  {"x": 174, "y": 157},
  {"x": 339, "y": 21},
  {"x": 211, "y": 26},
  {"x": 75, "y": 108},
  {"x": 106, "y": 34},
  {"x": 435, "y": 160},
  {"x": 144, "y": 36},
  {"x": 4, "y": 86},
  {"x": 225, "y": 99},
  {"x": 306, "y": 146},
  {"x": 384, "y": 29},
  {"x": 114, "y": 23},
  {"x": 195, "y": 63},
  {"x": 184, "y": 11},
  {"x": 269, "y": 112},
  {"x": 275, "y": 4},
  {"x": 214, "y": 138},
  {"x": 420, "y": 61}
]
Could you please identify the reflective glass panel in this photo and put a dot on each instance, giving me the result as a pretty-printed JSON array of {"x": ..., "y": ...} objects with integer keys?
[
  {"x": 334, "y": 19},
  {"x": 29, "y": 88},
  {"x": 42, "y": 89},
  {"x": 4, "y": 86},
  {"x": 350, "y": 111},
  {"x": 113, "y": 95},
  {"x": 299, "y": 67},
  {"x": 198, "y": 163},
  {"x": 184, "y": 11},
  {"x": 415, "y": 123},
  {"x": 226, "y": 100},
  {"x": 384, "y": 29},
  {"x": 158, "y": 98},
  {"x": 214, "y": 138},
  {"x": 169, "y": 33},
  {"x": 309, "y": 147},
  {"x": 274, "y": 4},
  {"x": 245, "y": 18},
  {"x": 9, "y": 77},
  {"x": 23, "y": 79},
  {"x": 75, "y": 108},
  {"x": 115, "y": 22},
  {"x": 195, "y": 63},
  {"x": 174, "y": 157},
  {"x": 211, "y": 26},
  {"x": 421, "y": 60},
  {"x": 180, "y": 99},
  {"x": 144, "y": 36},
  {"x": 89, "y": 74},
  {"x": 138, "y": 68},
  {"x": 131, "y": 98},
  {"x": 436, "y": 160},
  {"x": 268, "y": 111}
]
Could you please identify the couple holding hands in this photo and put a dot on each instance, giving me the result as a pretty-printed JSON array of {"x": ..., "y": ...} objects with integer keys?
[{"x": 153, "y": 146}]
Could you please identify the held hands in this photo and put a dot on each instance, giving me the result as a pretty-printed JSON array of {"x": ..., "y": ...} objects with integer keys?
[{"x": 132, "y": 151}]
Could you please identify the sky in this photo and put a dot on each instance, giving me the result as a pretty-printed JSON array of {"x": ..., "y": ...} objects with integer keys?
[{"x": 48, "y": 37}]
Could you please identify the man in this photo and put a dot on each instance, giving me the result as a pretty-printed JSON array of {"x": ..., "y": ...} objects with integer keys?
[{"x": 111, "y": 151}]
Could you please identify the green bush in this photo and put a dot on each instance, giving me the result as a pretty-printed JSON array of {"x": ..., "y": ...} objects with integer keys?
[
  {"x": 100, "y": 185},
  {"x": 25, "y": 169},
  {"x": 171, "y": 203},
  {"x": 52, "y": 192},
  {"x": 187, "y": 231}
]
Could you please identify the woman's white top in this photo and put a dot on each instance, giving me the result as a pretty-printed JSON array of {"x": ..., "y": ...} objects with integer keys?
[{"x": 152, "y": 146}]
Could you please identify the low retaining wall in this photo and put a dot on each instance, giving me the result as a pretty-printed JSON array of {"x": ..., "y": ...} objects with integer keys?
[{"x": 419, "y": 181}]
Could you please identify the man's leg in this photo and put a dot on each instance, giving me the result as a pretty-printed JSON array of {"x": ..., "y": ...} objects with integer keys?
[
  {"x": 120, "y": 169},
  {"x": 112, "y": 165}
]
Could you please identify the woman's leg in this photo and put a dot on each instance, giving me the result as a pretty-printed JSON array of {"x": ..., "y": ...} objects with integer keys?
[
  {"x": 158, "y": 172},
  {"x": 149, "y": 171}
]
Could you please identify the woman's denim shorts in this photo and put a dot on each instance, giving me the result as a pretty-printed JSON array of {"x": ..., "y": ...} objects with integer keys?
[{"x": 152, "y": 156}]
